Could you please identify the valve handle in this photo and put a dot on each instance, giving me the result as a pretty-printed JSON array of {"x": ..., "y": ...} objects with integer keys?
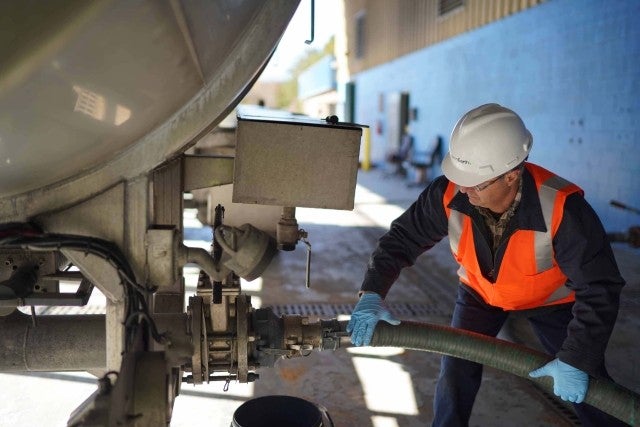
[{"x": 304, "y": 239}]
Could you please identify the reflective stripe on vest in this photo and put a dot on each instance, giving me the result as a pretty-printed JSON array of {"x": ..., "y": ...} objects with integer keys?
[
  {"x": 456, "y": 222},
  {"x": 543, "y": 243},
  {"x": 544, "y": 240}
]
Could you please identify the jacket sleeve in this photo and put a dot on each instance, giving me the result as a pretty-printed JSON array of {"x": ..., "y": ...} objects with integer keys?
[
  {"x": 584, "y": 254},
  {"x": 412, "y": 233}
]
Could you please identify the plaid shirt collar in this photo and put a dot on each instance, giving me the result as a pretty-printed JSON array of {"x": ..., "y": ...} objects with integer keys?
[{"x": 497, "y": 225}]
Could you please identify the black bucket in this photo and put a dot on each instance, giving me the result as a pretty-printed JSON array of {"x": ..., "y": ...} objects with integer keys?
[{"x": 280, "y": 411}]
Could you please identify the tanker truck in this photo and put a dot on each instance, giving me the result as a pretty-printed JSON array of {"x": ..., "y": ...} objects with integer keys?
[{"x": 100, "y": 103}]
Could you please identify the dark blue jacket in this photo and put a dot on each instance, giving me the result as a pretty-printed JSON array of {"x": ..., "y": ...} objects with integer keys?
[{"x": 580, "y": 246}]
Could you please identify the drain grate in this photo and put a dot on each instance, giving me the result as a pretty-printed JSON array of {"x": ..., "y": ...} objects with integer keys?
[
  {"x": 400, "y": 310},
  {"x": 416, "y": 310},
  {"x": 321, "y": 310}
]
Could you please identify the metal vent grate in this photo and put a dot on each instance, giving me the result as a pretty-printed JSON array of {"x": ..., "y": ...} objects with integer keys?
[{"x": 401, "y": 310}]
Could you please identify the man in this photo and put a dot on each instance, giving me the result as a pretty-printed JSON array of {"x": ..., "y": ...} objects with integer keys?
[{"x": 526, "y": 241}]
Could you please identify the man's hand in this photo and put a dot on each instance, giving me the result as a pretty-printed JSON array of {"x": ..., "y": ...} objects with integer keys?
[
  {"x": 369, "y": 310},
  {"x": 568, "y": 382}
]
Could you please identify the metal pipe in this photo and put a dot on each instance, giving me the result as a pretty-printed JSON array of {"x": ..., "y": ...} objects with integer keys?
[
  {"x": 55, "y": 343},
  {"x": 203, "y": 259},
  {"x": 313, "y": 20},
  {"x": 75, "y": 342}
]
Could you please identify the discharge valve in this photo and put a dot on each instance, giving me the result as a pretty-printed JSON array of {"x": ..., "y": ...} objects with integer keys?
[{"x": 288, "y": 234}]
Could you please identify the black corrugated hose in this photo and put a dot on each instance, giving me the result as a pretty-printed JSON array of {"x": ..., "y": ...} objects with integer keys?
[{"x": 604, "y": 394}]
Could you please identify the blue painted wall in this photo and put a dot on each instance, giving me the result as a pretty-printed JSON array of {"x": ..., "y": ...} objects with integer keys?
[{"x": 570, "y": 68}]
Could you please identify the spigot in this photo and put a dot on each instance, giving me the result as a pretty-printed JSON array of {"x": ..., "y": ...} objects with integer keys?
[{"x": 288, "y": 234}]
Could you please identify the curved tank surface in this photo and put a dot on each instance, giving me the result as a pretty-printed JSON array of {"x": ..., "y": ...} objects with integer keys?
[{"x": 93, "y": 93}]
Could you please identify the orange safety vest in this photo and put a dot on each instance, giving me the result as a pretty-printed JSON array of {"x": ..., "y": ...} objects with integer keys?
[{"x": 529, "y": 275}]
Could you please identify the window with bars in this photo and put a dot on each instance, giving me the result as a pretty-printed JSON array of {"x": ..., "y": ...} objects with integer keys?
[{"x": 360, "y": 35}]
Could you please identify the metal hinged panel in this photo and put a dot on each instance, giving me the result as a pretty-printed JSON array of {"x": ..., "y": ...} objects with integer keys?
[{"x": 301, "y": 163}]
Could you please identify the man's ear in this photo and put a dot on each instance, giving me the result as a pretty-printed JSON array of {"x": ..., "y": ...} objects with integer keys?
[{"x": 512, "y": 176}]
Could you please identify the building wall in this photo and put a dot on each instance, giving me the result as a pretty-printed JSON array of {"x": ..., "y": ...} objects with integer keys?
[
  {"x": 317, "y": 88},
  {"x": 569, "y": 68},
  {"x": 398, "y": 27}
]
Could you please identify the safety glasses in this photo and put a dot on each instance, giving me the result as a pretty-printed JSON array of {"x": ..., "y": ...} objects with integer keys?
[{"x": 487, "y": 184}]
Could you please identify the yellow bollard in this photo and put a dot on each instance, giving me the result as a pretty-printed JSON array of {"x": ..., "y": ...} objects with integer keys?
[{"x": 366, "y": 150}]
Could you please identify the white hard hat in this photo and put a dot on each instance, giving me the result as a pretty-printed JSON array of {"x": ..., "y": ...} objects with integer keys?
[{"x": 485, "y": 143}]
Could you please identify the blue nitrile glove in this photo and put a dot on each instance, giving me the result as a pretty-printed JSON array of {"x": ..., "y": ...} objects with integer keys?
[
  {"x": 369, "y": 310},
  {"x": 568, "y": 382}
]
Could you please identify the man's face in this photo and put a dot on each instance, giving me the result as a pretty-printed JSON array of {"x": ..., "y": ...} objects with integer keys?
[{"x": 495, "y": 194}]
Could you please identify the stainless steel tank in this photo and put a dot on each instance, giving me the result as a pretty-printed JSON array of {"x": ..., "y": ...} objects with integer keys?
[{"x": 96, "y": 92}]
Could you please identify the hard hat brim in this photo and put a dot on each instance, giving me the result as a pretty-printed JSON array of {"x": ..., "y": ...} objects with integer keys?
[{"x": 460, "y": 177}]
